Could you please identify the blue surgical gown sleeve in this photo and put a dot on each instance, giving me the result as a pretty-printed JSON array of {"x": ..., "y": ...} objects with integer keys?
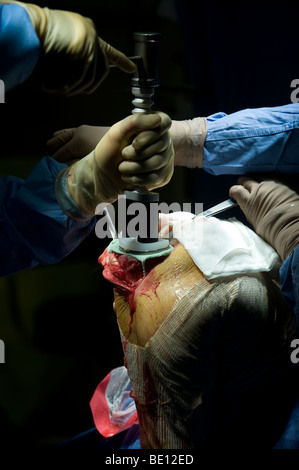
[
  {"x": 253, "y": 141},
  {"x": 256, "y": 141},
  {"x": 19, "y": 45},
  {"x": 34, "y": 229}
]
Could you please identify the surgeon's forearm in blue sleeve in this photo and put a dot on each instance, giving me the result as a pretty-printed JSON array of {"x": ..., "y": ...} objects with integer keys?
[
  {"x": 34, "y": 229},
  {"x": 253, "y": 140},
  {"x": 19, "y": 45}
]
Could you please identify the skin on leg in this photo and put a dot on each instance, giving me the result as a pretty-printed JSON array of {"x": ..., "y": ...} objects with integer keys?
[
  {"x": 187, "y": 341},
  {"x": 155, "y": 297}
]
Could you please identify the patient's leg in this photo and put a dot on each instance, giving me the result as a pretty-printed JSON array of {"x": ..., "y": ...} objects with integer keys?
[
  {"x": 194, "y": 346},
  {"x": 143, "y": 302}
]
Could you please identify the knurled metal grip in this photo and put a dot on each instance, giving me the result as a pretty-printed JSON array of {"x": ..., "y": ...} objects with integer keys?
[
  {"x": 145, "y": 78},
  {"x": 143, "y": 100},
  {"x": 144, "y": 82}
]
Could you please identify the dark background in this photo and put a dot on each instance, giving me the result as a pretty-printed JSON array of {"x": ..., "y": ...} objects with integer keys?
[{"x": 57, "y": 322}]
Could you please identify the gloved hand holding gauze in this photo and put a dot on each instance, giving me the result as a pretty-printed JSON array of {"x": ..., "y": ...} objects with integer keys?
[
  {"x": 136, "y": 151},
  {"x": 220, "y": 247},
  {"x": 273, "y": 210}
]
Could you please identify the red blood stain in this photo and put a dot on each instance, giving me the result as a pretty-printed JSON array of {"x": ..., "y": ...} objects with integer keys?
[{"x": 126, "y": 274}]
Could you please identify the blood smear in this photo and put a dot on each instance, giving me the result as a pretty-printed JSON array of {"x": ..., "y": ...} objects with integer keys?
[{"x": 127, "y": 273}]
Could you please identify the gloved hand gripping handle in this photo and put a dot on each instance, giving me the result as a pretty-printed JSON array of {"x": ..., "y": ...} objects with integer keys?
[{"x": 144, "y": 82}]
